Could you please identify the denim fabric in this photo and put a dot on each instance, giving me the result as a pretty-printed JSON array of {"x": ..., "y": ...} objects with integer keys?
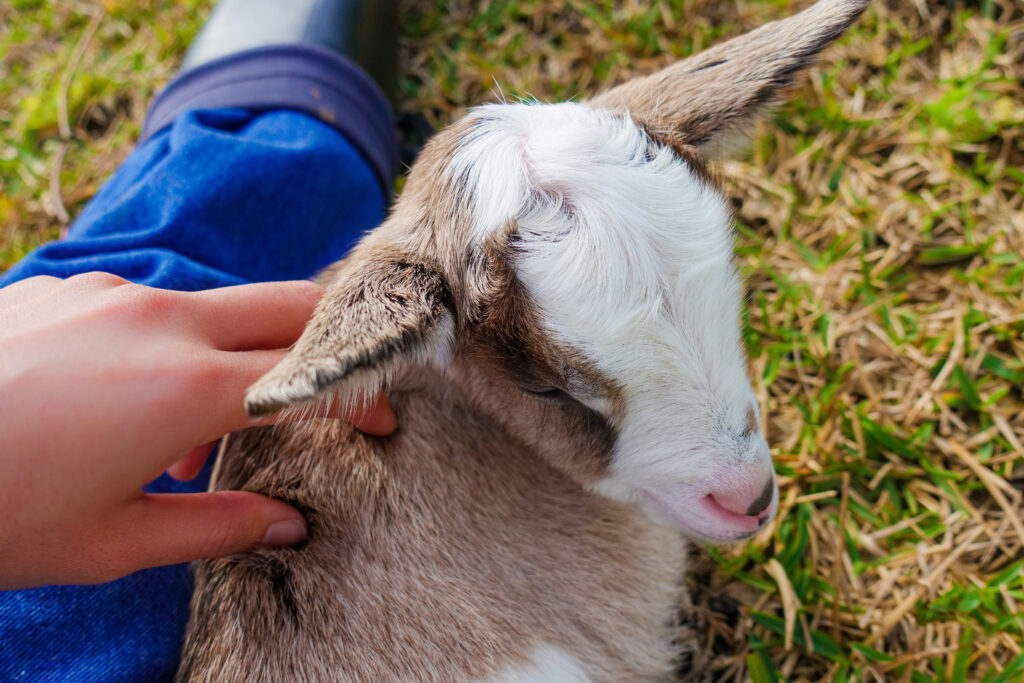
[
  {"x": 306, "y": 78},
  {"x": 218, "y": 198}
]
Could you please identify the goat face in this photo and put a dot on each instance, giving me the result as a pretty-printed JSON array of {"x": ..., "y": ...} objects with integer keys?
[
  {"x": 630, "y": 374},
  {"x": 573, "y": 263}
]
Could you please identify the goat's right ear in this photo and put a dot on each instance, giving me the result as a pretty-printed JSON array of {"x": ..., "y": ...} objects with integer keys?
[{"x": 379, "y": 311}]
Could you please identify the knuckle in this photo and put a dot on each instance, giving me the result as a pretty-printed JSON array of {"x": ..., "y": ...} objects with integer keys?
[
  {"x": 292, "y": 293},
  {"x": 223, "y": 539},
  {"x": 41, "y": 279},
  {"x": 96, "y": 280},
  {"x": 38, "y": 284},
  {"x": 140, "y": 302},
  {"x": 206, "y": 371},
  {"x": 306, "y": 288}
]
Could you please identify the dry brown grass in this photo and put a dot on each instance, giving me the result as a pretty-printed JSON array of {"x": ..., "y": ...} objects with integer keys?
[{"x": 881, "y": 231}]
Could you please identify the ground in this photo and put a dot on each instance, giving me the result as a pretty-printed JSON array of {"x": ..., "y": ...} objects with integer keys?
[{"x": 881, "y": 232}]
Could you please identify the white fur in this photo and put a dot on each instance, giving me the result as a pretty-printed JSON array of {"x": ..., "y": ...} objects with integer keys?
[
  {"x": 628, "y": 255},
  {"x": 548, "y": 664}
]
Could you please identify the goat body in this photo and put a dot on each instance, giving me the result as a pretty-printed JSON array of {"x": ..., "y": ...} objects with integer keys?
[
  {"x": 432, "y": 560},
  {"x": 552, "y": 309}
]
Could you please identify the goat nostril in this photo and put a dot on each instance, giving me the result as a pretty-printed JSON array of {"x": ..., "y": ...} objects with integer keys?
[
  {"x": 752, "y": 425},
  {"x": 763, "y": 500}
]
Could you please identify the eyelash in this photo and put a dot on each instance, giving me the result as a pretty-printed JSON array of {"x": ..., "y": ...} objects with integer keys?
[{"x": 545, "y": 392}]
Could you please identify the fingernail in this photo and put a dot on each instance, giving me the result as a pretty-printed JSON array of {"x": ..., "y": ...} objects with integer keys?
[
  {"x": 386, "y": 421},
  {"x": 285, "y": 532},
  {"x": 379, "y": 420}
]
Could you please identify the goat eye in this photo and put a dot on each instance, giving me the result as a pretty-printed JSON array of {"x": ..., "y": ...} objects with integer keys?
[{"x": 543, "y": 390}]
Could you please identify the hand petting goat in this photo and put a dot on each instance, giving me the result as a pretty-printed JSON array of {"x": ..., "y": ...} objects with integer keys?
[{"x": 104, "y": 385}]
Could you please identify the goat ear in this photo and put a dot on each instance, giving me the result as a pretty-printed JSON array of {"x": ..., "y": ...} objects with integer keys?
[
  {"x": 378, "y": 312},
  {"x": 711, "y": 99}
]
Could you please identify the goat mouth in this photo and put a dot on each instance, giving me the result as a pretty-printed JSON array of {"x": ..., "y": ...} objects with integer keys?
[{"x": 703, "y": 518}]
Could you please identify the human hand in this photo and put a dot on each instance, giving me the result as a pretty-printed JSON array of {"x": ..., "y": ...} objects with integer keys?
[{"x": 104, "y": 385}]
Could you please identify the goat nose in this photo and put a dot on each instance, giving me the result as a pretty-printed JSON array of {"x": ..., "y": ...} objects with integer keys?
[{"x": 745, "y": 503}]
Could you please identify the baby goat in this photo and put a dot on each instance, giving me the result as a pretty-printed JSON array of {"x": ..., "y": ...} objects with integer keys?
[{"x": 552, "y": 309}]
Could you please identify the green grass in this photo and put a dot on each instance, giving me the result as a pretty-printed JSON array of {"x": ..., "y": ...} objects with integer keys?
[
  {"x": 881, "y": 232},
  {"x": 131, "y": 54}
]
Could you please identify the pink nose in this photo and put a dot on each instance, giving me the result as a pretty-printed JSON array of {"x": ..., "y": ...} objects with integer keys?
[{"x": 749, "y": 502}]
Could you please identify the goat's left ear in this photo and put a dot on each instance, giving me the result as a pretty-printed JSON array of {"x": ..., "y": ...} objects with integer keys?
[
  {"x": 380, "y": 310},
  {"x": 711, "y": 99}
]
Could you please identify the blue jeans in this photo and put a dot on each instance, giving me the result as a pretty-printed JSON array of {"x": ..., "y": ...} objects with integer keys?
[{"x": 258, "y": 167}]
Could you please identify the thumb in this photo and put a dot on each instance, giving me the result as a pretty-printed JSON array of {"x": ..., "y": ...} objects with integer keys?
[{"x": 172, "y": 528}]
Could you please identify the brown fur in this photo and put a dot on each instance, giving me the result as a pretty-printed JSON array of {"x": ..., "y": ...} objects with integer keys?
[
  {"x": 427, "y": 562},
  {"x": 709, "y": 100},
  {"x": 452, "y": 549}
]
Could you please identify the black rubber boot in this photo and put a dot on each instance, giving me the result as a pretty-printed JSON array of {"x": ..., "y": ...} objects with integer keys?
[{"x": 365, "y": 31}]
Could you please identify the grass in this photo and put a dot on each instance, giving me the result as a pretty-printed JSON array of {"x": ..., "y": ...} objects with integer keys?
[{"x": 881, "y": 229}]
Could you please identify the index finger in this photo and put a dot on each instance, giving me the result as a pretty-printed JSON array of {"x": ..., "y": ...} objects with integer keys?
[
  {"x": 223, "y": 395},
  {"x": 266, "y": 315}
]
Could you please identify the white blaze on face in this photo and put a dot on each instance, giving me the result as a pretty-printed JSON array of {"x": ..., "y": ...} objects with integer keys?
[{"x": 628, "y": 255}]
